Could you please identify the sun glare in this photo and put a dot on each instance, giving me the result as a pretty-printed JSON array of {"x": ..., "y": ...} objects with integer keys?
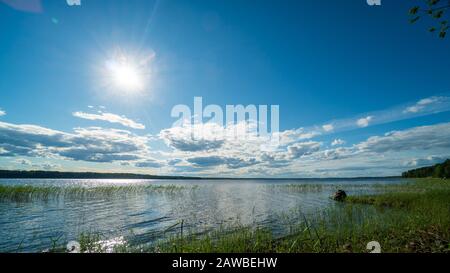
[{"x": 126, "y": 75}]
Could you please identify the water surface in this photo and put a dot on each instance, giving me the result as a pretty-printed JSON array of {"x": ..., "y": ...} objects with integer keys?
[{"x": 202, "y": 205}]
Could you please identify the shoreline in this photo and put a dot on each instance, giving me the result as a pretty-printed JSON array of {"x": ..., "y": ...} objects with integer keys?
[{"x": 20, "y": 174}]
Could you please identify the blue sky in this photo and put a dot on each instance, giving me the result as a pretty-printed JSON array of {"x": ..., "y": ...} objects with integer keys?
[{"x": 323, "y": 62}]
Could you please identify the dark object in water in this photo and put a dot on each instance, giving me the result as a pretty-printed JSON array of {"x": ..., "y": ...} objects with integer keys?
[{"x": 340, "y": 196}]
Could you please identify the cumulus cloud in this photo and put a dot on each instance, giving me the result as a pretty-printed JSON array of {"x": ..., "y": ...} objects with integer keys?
[
  {"x": 209, "y": 149},
  {"x": 91, "y": 144},
  {"x": 211, "y": 136},
  {"x": 335, "y": 154},
  {"x": 275, "y": 160},
  {"x": 364, "y": 122},
  {"x": 300, "y": 149},
  {"x": 337, "y": 142},
  {"x": 291, "y": 136},
  {"x": 2, "y": 113},
  {"x": 112, "y": 118},
  {"x": 293, "y": 151},
  {"x": 96, "y": 144},
  {"x": 209, "y": 144},
  {"x": 199, "y": 137}
]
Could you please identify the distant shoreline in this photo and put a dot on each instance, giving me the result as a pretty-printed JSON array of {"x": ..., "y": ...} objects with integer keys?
[{"x": 17, "y": 174}]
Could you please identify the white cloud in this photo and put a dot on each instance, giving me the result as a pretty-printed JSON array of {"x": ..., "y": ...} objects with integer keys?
[
  {"x": 422, "y": 104},
  {"x": 413, "y": 109},
  {"x": 418, "y": 138},
  {"x": 337, "y": 142},
  {"x": 334, "y": 154},
  {"x": 364, "y": 122},
  {"x": 328, "y": 127},
  {"x": 207, "y": 149},
  {"x": 292, "y": 136},
  {"x": 420, "y": 162},
  {"x": 198, "y": 137},
  {"x": 85, "y": 144},
  {"x": 2, "y": 113},
  {"x": 109, "y": 117},
  {"x": 213, "y": 152},
  {"x": 303, "y": 148},
  {"x": 426, "y": 106}
]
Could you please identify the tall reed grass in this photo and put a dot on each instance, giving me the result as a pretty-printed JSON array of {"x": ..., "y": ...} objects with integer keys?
[{"x": 28, "y": 193}]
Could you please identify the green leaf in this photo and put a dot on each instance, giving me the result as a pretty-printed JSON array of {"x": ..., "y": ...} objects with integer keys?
[
  {"x": 442, "y": 34},
  {"x": 432, "y": 29}
]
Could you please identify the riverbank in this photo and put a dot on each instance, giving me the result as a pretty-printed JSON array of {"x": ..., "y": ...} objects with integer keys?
[{"x": 411, "y": 217}]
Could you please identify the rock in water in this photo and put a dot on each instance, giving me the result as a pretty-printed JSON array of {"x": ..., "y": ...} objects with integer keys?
[{"x": 340, "y": 195}]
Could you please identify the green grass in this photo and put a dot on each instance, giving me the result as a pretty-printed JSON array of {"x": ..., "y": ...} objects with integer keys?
[
  {"x": 413, "y": 217},
  {"x": 302, "y": 188},
  {"x": 28, "y": 193}
]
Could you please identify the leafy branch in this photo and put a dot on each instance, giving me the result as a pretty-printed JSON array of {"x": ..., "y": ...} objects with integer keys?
[{"x": 435, "y": 9}]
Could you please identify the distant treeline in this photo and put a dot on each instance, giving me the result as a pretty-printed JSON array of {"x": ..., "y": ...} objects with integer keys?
[
  {"x": 439, "y": 171},
  {"x": 82, "y": 175}
]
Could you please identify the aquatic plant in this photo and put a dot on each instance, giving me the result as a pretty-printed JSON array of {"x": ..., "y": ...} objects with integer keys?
[{"x": 27, "y": 193}]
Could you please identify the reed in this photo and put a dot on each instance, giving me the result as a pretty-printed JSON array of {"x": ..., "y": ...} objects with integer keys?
[{"x": 28, "y": 193}]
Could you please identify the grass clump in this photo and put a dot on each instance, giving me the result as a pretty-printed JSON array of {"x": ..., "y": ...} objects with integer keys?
[
  {"x": 305, "y": 188},
  {"x": 28, "y": 193},
  {"x": 237, "y": 240}
]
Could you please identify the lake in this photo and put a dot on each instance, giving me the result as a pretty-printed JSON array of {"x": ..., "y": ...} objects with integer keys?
[{"x": 145, "y": 216}]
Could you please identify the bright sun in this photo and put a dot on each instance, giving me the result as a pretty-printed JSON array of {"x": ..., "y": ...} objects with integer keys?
[{"x": 126, "y": 75}]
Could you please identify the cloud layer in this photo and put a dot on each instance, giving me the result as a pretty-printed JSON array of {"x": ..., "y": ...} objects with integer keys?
[
  {"x": 237, "y": 150},
  {"x": 91, "y": 144}
]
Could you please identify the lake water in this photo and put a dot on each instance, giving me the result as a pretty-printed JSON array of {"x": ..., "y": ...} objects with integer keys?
[{"x": 143, "y": 217}]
